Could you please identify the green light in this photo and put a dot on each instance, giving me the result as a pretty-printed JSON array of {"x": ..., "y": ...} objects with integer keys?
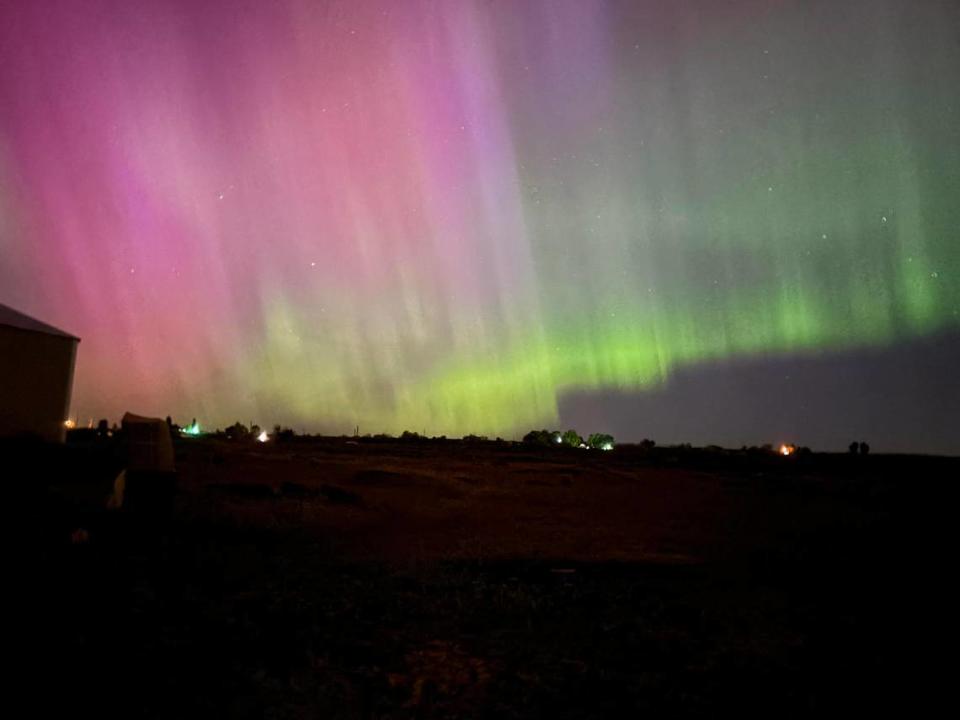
[{"x": 692, "y": 218}]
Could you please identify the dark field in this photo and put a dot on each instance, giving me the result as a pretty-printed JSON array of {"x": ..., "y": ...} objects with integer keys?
[{"x": 335, "y": 579}]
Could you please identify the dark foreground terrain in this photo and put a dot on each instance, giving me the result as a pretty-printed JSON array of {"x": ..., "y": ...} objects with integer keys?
[{"x": 337, "y": 579}]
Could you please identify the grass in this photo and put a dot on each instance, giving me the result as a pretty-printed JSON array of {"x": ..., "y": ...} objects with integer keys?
[{"x": 491, "y": 583}]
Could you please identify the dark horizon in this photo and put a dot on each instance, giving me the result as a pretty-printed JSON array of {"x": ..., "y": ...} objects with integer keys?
[{"x": 900, "y": 400}]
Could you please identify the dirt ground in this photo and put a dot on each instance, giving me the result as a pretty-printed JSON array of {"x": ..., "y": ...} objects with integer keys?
[{"x": 335, "y": 578}]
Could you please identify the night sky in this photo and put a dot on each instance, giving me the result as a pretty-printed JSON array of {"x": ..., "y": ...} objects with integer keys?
[{"x": 732, "y": 222}]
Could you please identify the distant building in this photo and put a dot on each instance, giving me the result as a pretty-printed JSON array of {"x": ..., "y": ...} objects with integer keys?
[{"x": 36, "y": 376}]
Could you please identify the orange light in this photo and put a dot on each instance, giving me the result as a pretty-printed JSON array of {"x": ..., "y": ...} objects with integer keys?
[
  {"x": 69, "y": 424},
  {"x": 786, "y": 450}
]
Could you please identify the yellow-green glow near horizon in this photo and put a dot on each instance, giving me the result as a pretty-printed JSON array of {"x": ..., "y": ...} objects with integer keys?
[{"x": 445, "y": 217}]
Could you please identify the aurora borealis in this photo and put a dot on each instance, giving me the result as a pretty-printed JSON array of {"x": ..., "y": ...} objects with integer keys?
[{"x": 449, "y": 216}]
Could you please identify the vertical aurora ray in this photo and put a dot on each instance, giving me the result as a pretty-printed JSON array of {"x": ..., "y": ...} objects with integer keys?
[{"x": 446, "y": 216}]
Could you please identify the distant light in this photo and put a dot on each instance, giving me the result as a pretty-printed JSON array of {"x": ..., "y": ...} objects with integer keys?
[
  {"x": 69, "y": 424},
  {"x": 559, "y": 439},
  {"x": 193, "y": 429},
  {"x": 263, "y": 437},
  {"x": 786, "y": 450},
  {"x": 607, "y": 446}
]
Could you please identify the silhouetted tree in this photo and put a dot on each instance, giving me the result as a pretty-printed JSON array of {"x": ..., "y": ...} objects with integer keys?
[
  {"x": 646, "y": 444},
  {"x": 854, "y": 447},
  {"x": 571, "y": 438},
  {"x": 238, "y": 431},
  {"x": 601, "y": 441},
  {"x": 103, "y": 427},
  {"x": 283, "y": 434},
  {"x": 864, "y": 449},
  {"x": 539, "y": 437}
]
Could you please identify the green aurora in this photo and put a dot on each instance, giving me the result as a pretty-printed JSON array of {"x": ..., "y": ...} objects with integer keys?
[{"x": 449, "y": 218}]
